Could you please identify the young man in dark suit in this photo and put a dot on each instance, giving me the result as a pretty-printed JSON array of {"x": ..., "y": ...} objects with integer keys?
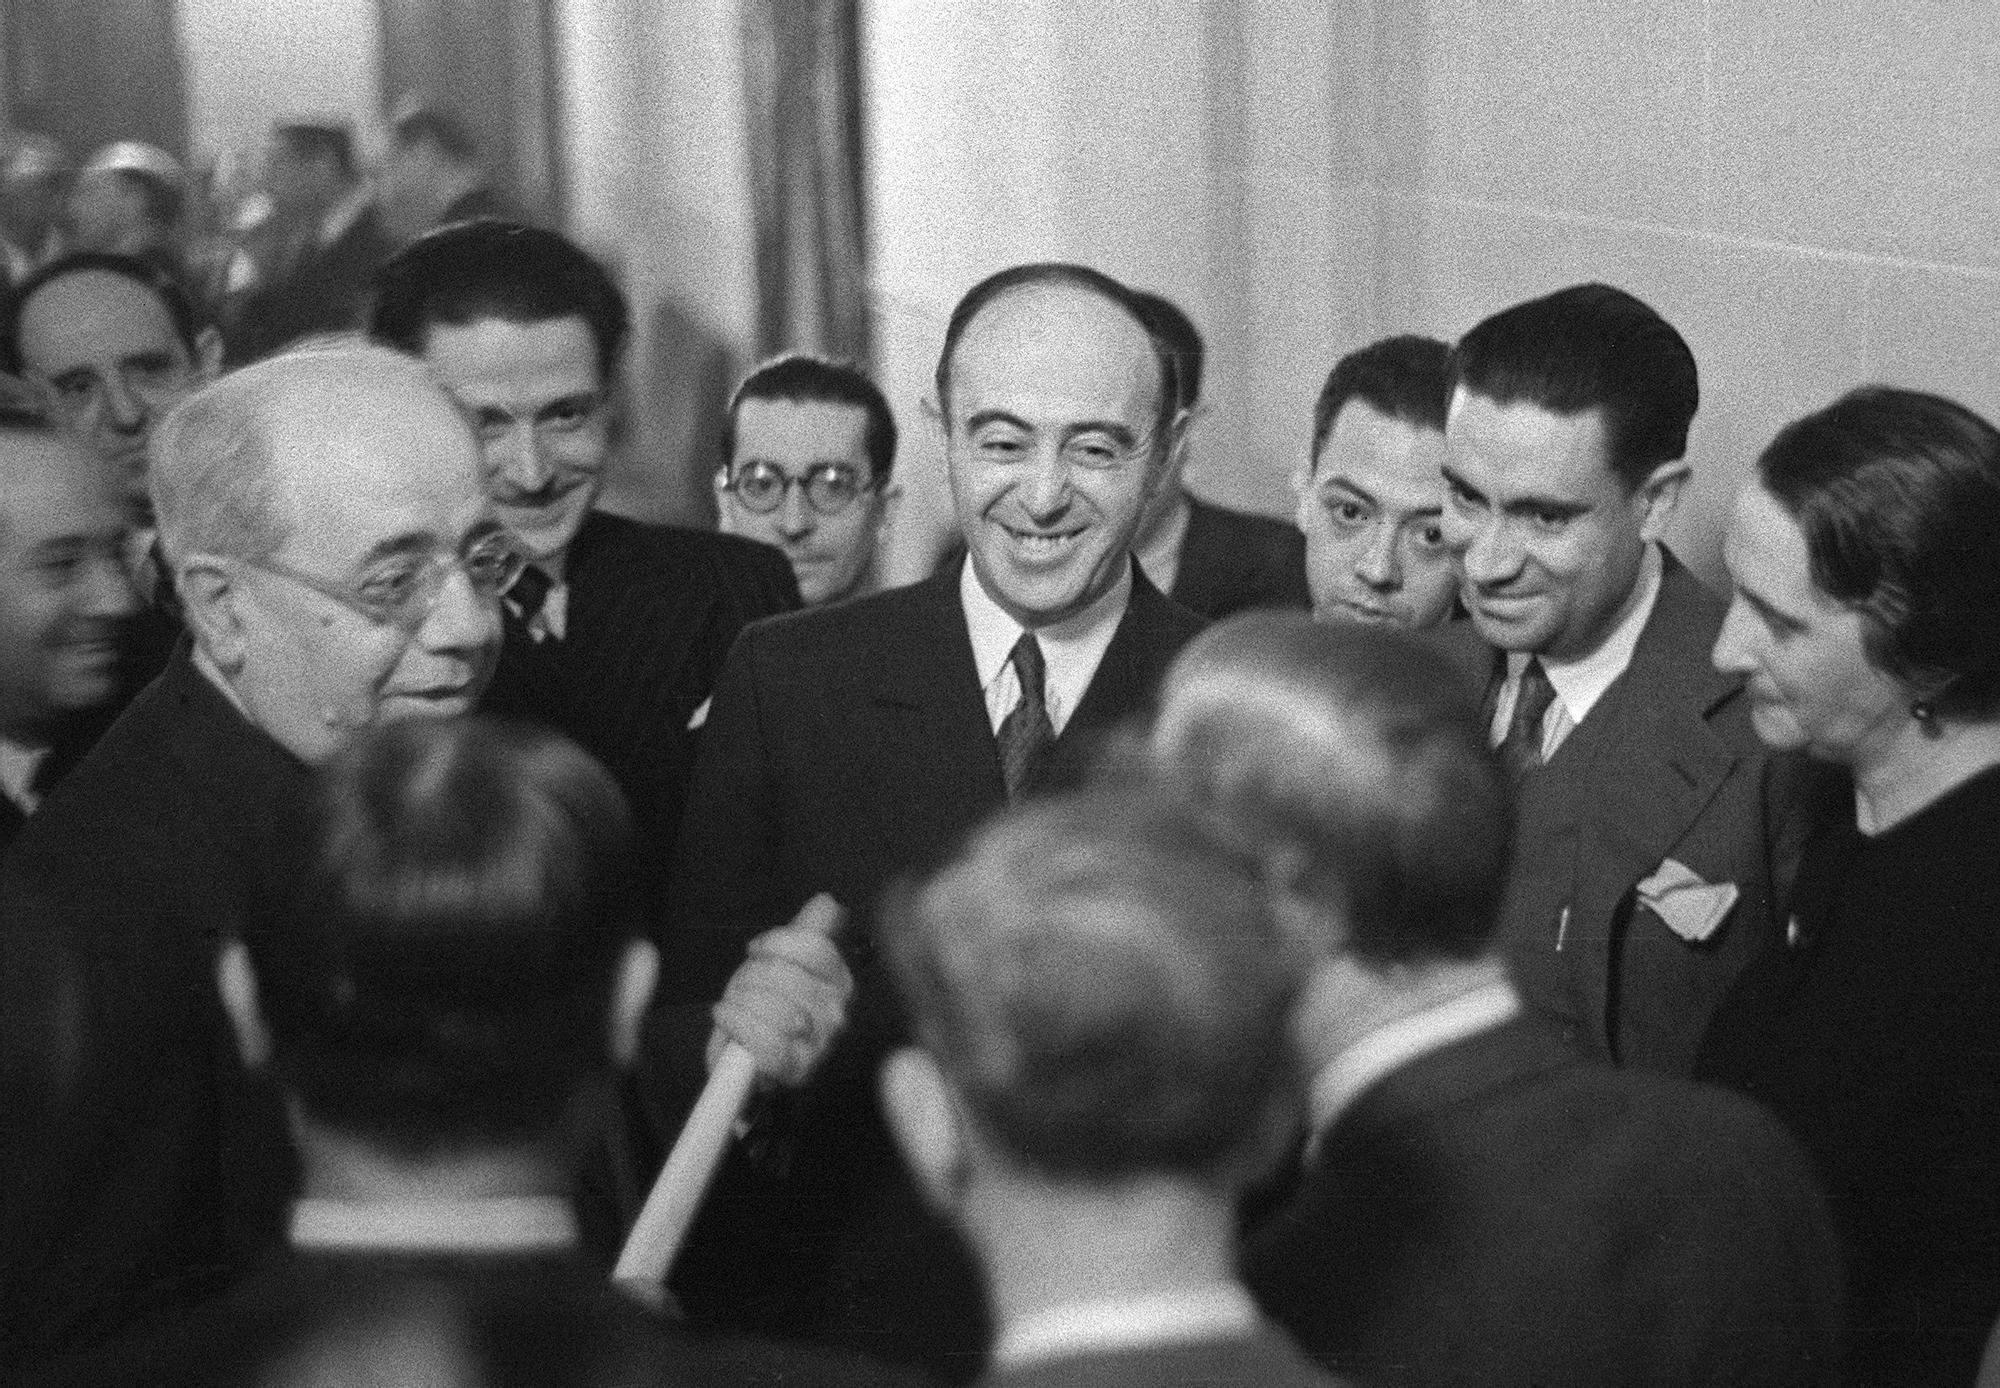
[
  {"x": 1478, "y": 1203},
  {"x": 1099, "y": 995},
  {"x": 618, "y": 628},
  {"x": 853, "y": 743},
  {"x": 1654, "y": 830}
]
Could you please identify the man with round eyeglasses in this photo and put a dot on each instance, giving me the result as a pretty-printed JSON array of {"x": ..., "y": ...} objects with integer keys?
[
  {"x": 808, "y": 449},
  {"x": 338, "y": 564}
]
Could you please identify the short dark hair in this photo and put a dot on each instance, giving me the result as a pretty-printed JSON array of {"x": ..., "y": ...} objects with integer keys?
[
  {"x": 441, "y": 976},
  {"x": 1168, "y": 322},
  {"x": 1405, "y": 377},
  {"x": 1063, "y": 273},
  {"x": 800, "y": 377},
  {"x": 1590, "y": 347},
  {"x": 418, "y": 124},
  {"x": 1104, "y": 986},
  {"x": 1354, "y": 758},
  {"x": 460, "y": 274},
  {"x": 149, "y": 275},
  {"x": 314, "y": 142},
  {"x": 1897, "y": 493}
]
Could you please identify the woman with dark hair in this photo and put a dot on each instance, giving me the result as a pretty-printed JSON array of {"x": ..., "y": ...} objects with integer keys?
[{"x": 1866, "y": 619}]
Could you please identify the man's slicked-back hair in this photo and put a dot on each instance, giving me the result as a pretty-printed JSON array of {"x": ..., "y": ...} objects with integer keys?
[
  {"x": 1105, "y": 987},
  {"x": 802, "y": 378},
  {"x": 1897, "y": 493},
  {"x": 1169, "y": 323},
  {"x": 1590, "y": 347},
  {"x": 1405, "y": 377},
  {"x": 150, "y": 276},
  {"x": 414, "y": 123},
  {"x": 1061, "y": 274},
  {"x": 441, "y": 976},
  {"x": 1353, "y": 759},
  {"x": 467, "y": 272},
  {"x": 313, "y": 141}
]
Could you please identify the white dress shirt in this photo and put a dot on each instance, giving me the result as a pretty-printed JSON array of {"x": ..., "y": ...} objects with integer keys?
[
  {"x": 1579, "y": 683},
  {"x": 1071, "y": 649},
  {"x": 1216, "y": 1312},
  {"x": 18, "y": 765},
  {"x": 512, "y": 1224},
  {"x": 1348, "y": 1075}
]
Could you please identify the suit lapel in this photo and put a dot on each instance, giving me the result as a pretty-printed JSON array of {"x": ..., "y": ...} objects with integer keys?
[{"x": 923, "y": 671}]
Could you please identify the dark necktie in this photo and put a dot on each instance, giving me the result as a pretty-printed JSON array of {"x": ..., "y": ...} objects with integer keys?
[
  {"x": 1025, "y": 734},
  {"x": 525, "y": 598},
  {"x": 1521, "y": 748}
]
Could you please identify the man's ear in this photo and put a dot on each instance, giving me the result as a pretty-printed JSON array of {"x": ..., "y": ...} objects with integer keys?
[
  {"x": 631, "y": 995},
  {"x": 926, "y": 1125},
  {"x": 236, "y": 980},
  {"x": 211, "y": 603},
  {"x": 1659, "y": 494},
  {"x": 207, "y": 355}
]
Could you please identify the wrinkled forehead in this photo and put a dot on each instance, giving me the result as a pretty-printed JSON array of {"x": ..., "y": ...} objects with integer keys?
[
  {"x": 1056, "y": 339},
  {"x": 379, "y": 451}
]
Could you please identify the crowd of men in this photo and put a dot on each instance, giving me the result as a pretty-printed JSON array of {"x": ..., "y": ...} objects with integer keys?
[{"x": 394, "y": 837}]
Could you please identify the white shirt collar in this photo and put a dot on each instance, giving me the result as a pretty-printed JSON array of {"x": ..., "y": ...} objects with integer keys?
[
  {"x": 1095, "y": 1327},
  {"x": 1349, "y": 1075},
  {"x": 18, "y": 764},
  {"x": 1579, "y": 683},
  {"x": 514, "y": 1224},
  {"x": 343, "y": 214},
  {"x": 1071, "y": 649}
]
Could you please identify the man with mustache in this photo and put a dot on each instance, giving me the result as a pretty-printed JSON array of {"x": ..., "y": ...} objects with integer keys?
[
  {"x": 1653, "y": 828},
  {"x": 617, "y": 629}
]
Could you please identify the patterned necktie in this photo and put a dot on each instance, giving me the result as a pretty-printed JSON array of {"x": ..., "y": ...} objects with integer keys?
[
  {"x": 1521, "y": 748},
  {"x": 1025, "y": 734},
  {"x": 525, "y": 598}
]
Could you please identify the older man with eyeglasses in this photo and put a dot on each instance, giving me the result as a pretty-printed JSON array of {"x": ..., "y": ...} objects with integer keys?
[
  {"x": 807, "y": 450},
  {"x": 340, "y": 566}
]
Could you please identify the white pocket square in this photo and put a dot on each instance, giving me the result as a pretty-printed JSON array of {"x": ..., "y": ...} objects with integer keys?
[{"x": 1693, "y": 909}]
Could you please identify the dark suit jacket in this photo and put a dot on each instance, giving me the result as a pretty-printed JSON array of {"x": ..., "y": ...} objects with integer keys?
[
  {"x": 1263, "y": 1360},
  {"x": 1501, "y": 1211},
  {"x": 510, "y": 1321},
  {"x": 137, "y": 1165},
  {"x": 652, "y": 610},
  {"x": 1232, "y": 560},
  {"x": 1666, "y": 766},
  {"x": 848, "y": 745},
  {"x": 326, "y": 291}
]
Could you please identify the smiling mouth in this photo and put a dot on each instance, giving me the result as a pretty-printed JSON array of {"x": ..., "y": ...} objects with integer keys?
[{"x": 1040, "y": 544}]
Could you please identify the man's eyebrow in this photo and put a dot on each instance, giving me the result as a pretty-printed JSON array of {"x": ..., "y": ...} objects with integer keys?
[
  {"x": 1537, "y": 505},
  {"x": 415, "y": 542},
  {"x": 1332, "y": 480},
  {"x": 1117, "y": 431},
  {"x": 1767, "y": 609},
  {"x": 979, "y": 419},
  {"x": 1452, "y": 477},
  {"x": 577, "y": 400}
]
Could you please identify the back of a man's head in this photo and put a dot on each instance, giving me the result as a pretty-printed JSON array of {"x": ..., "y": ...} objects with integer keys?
[
  {"x": 1590, "y": 347},
  {"x": 318, "y": 142},
  {"x": 467, "y": 272},
  {"x": 440, "y": 978},
  {"x": 1104, "y": 989},
  {"x": 1350, "y": 758}
]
